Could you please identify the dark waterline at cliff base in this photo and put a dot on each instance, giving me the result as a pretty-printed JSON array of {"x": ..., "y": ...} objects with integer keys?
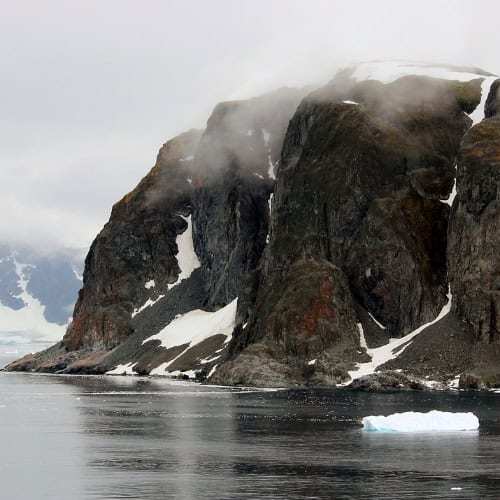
[{"x": 128, "y": 437}]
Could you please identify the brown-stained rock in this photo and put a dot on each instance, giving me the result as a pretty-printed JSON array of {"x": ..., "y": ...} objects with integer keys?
[{"x": 313, "y": 318}]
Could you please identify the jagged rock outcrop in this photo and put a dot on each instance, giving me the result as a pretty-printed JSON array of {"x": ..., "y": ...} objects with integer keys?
[
  {"x": 474, "y": 243},
  {"x": 219, "y": 181},
  {"x": 363, "y": 169},
  {"x": 235, "y": 175},
  {"x": 492, "y": 107},
  {"x": 137, "y": 246},
  {"x": 474, "y": 239}
]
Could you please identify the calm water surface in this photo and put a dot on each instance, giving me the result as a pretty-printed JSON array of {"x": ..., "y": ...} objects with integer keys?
[{"x": 124, "y": 437}]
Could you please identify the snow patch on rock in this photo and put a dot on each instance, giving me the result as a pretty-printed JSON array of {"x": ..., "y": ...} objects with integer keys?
[
  {"x": 362, "y": 339},
  {"x": 193, "y": 328},
  {"x": 380, "y": 325},
  {"x": 196, "y": 326},
  {"x": 148, "y": 303},
  {"x": 127, "y": 369},
  {"x": 394, "y": 347},
  {"x": 476, "y": 116},
  {"x": 186, "y": 257},
  {"x": 267, "y": 136}
]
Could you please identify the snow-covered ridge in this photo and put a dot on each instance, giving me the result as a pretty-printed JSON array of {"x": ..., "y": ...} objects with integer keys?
[
  {"x": 27, "y": 321},
  {"x": 390, "y": 71}
]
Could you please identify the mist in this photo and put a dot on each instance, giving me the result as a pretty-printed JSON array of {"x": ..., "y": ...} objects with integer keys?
[{"x": 90, "y": 90}]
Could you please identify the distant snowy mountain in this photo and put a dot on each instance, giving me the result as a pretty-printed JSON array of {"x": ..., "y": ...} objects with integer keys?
[{"x": 37, "y": 294}]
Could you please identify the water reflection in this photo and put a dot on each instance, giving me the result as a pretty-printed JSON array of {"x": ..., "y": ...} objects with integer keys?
[{"x": 124, "y": 437}]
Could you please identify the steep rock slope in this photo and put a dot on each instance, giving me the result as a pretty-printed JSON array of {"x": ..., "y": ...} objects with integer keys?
[
  {"x": 365, "y": 168},
  {"x": 203, "y": 205},
  {"x": 474, "y": 243}
]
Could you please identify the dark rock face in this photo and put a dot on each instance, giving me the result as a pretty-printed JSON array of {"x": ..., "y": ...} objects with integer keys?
[
  {"x": 358, "y": 187},
  {"x": 410, "y": 234},
  {"x": 235, "y": 169},
  {"x": 386, "y": 382},
  {"x": 492, "y": 107},
  {"x": 474, "y": 239},
  {"x": 137, "y": 245}
]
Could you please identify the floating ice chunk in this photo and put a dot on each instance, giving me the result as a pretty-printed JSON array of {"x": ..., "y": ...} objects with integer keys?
[{"x": 422, "y": 422}]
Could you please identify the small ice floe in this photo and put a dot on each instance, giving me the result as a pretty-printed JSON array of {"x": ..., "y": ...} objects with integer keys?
[{"x": 422, "y": 422}]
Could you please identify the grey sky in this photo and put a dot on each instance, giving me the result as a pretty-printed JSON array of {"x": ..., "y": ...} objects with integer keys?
[{"x": 89, "y": 90}]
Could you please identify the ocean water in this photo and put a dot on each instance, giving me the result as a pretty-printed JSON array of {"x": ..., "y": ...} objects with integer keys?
[{"x": 71, "y": 437}]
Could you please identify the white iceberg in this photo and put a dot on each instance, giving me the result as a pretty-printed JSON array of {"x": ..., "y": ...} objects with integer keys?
[{"x": 422, "y": 422}]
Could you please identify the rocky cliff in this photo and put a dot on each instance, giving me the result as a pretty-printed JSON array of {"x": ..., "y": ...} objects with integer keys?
[{"x": 308, "y": 238}]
